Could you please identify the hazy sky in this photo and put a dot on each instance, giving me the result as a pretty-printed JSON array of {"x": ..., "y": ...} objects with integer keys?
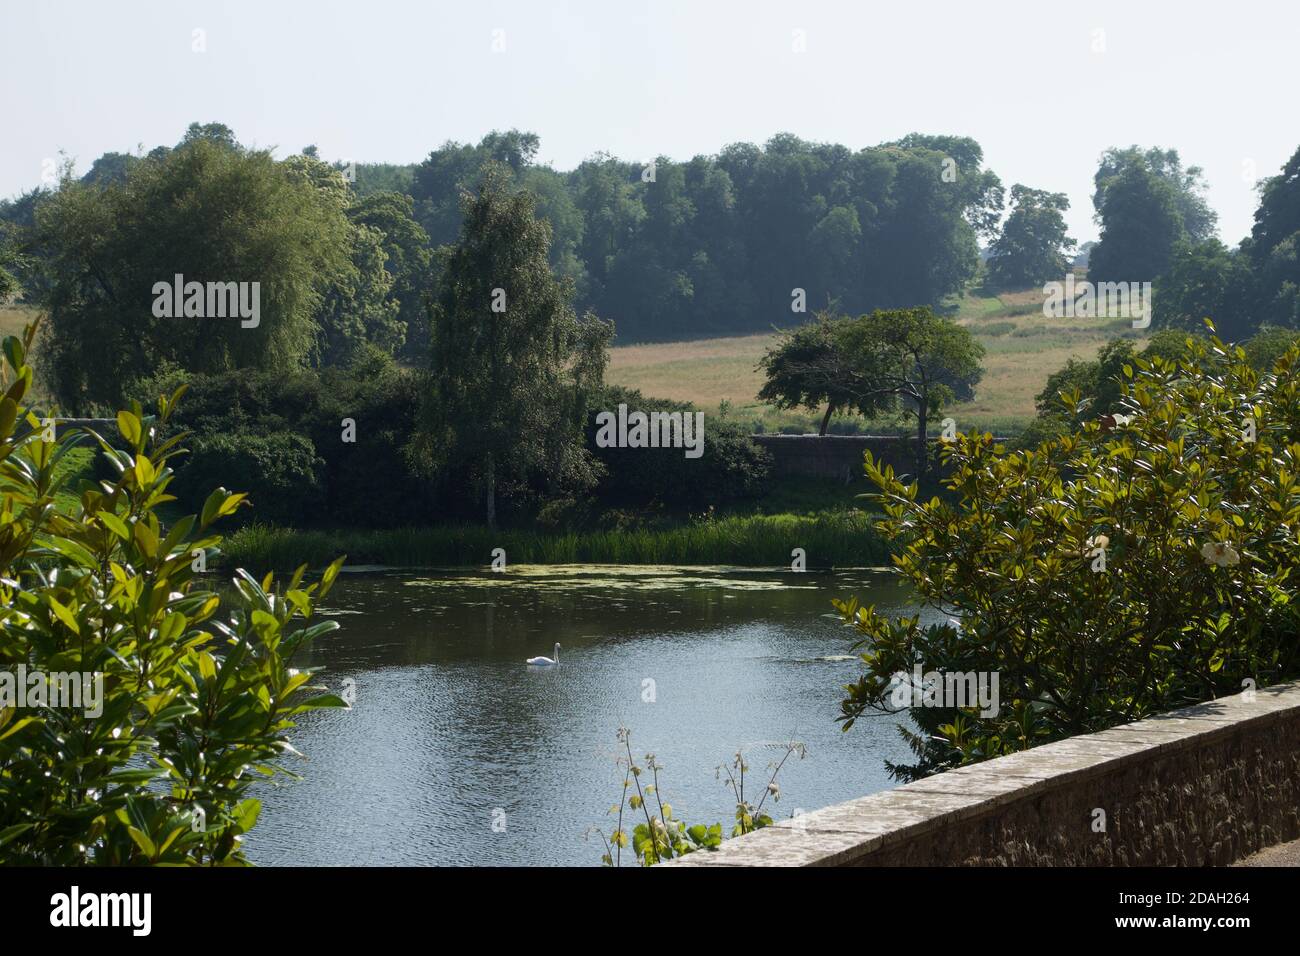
[{"x": 388, "y": 81}]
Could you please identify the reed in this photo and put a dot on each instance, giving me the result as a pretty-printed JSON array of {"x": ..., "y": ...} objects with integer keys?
[{"x": 842, "y": 539}]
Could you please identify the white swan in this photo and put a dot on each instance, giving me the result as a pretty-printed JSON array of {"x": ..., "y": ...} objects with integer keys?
[{"x": 546, "y": 661}]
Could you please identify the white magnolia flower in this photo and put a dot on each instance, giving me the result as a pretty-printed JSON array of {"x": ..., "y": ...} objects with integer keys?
[{"x": 1220, "y": 553}]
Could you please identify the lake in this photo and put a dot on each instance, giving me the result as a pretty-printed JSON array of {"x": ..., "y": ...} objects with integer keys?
[{"x": 455, "y": 752}]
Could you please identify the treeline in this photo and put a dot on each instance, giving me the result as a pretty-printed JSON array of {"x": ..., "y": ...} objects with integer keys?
[
  {"x": 664, "y": 249},
  {"x": 1156, "y": 226},
  {"x": 306, "y": 406},
  {"x": 715, "y": 245}
]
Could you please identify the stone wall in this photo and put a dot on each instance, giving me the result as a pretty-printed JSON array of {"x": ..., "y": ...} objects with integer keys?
[
  {"x": 838, "y": 456},
  {"x": 832, "y": 456},
  {"x": 1202, "y": 786}
]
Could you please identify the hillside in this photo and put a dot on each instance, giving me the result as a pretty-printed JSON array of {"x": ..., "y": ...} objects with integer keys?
[{"x": 1022, "y": 348}]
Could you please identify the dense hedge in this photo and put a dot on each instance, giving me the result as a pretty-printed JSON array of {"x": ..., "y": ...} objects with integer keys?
[
  {"x": 732, "y": 467},
  {"x": 281, "y": 438},
  {"x": 281, "y": 471}
]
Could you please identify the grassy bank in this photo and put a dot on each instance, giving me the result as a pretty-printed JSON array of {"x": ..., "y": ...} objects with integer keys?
[{"x": 841, "y": 539}]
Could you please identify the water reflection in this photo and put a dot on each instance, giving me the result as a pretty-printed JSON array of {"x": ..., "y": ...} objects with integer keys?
[{"x": 450, "y": 730}]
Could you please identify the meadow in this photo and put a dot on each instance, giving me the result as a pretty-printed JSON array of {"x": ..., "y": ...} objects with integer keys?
[
  {"x": 13, "y": 318},
  {"x": 1023, "y": 347}
]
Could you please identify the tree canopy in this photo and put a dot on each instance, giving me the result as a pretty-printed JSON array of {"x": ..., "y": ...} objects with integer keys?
[
  {"x": 511, "y": 366},
  {"x": 1140, "y": 225},
  {"x": 716, "y": 244},
  {"x": 1033, "y": 246},
  {"x": 898, "y": 360},
  {"x": 212, "y": 213}
]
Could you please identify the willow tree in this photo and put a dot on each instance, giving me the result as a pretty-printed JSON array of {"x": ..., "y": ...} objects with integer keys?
[
  {"x": 211, "y": 212},
  {"x": 511, "y": 366}
]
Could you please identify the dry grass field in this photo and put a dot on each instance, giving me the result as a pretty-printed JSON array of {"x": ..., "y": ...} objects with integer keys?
[
  {"x": 13, "y": 318},
  {"x": 1022, "y": 347}
]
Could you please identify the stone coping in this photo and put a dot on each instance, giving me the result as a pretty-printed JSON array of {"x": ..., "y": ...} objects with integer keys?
[{"x": 844, "y": 833}]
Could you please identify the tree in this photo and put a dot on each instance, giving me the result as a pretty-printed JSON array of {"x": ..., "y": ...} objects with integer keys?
[
  {"x": 1140, "y": 225},
  {"x": 1048, "y": 561},
  {"x": 211, "y": 213},
  {"x": 555, "y": 204},
  {"x": 512, "y": 368},
  {"x": 1274, "y": 247},
  {"x": 980, "y": 189},
  {"x": 1033, "y": 246},
  {"x": 1095, "y": 386},
  {"x": 358, "y": 307},
  {"x": 24, "y": 254},
  {"x": 218, "y": 134},
  {"x": 111, "y": 168},
  {"x": 907, "y": 360},
  {"x": 1188, "y": 185},
  {"x": 438, "y": 182},
  {"x": 1206, "y": 280},
  {"x": 1095, "y": 382},
  {"x": 9, "y": 260},
  {"x": 610, "y": 210},
  {"x": 914, "y": 360},
  {"x": 919, "y": 244},
  {"x": 807, "y": 369},
  {"x": 407, "y": 259}
]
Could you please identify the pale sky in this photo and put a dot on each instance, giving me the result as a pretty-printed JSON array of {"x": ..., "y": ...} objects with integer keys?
[{"x": 372, "y": 80}]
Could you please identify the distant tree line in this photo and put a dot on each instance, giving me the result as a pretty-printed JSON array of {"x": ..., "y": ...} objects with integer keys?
[
  {"x": 313, "y": 409},
  {"x": 716, "y": 244},
  {"x": 1156, "y": 226},
  {"x": 664, "y": 249}
]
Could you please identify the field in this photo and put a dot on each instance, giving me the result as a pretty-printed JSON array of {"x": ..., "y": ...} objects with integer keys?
[
  {"x": 13, "y": 318},
  {"x": 1022, "y": 348}
]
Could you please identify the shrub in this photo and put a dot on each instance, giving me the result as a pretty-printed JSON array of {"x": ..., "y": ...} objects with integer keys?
[
  {"x": 194, "y": 702},
  {"x": 329, "y": 481},
  {"x": 731, "y": 468},
  {"x": 1146, "y": 561},
  {"x": 370, "y": 481},
  {"x": 280, "y": 471},
  {"x": 1269, "y": 344}
]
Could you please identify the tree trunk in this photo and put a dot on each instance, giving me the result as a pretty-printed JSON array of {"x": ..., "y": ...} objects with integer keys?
[
  {"x": 922, "y": 449},
  {"x": 826, "y": 420},
  {"x": 490, "y": 483}
]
